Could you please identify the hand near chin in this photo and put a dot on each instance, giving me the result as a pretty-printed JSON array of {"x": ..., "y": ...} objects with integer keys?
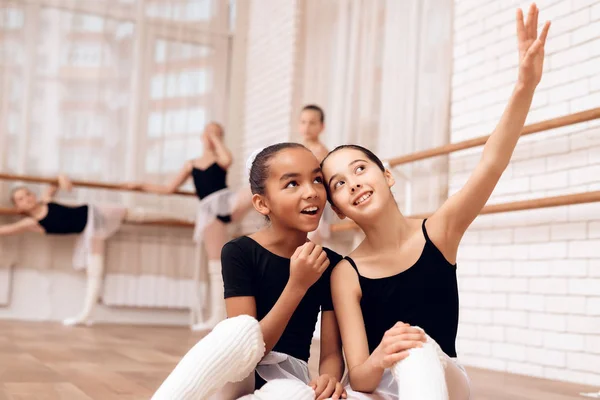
[{"x": 307, "y": 264}]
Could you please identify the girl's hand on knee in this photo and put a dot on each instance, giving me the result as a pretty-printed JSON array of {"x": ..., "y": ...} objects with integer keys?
[
  {"x": 395, "y": 344},
  {"x": 326, "y": 386}
]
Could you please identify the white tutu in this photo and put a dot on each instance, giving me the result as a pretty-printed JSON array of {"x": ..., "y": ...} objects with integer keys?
[
  {"x": 277, "y": 365},
  {"x": 102, "y": 223},
  {"x": 388, "y": 387},
  {"x": 219, "y": 203}
]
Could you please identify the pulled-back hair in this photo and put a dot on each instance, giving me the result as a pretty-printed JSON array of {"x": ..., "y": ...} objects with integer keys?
[{"x": 259, "y": 171}]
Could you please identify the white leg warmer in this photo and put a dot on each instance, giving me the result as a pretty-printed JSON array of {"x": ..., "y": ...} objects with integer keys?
[
  {"x": 228, "y": 354},
  {"x": 95, "y": 270},
  {"x": 421, "y": 375},
  {"x": 217, "y": 301},
  {"x": 278, "y": 389}
]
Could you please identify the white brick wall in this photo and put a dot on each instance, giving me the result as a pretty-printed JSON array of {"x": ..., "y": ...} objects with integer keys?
[
  {"x": 271, "y": 62},
  {"x": 530, "y": 280}
]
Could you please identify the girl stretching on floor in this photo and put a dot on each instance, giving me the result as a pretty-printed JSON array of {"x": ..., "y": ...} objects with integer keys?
[
  {"x": 280, "y": 279},
  {"x": 403, "y": 275},
  {"x": 93, "y": 223}
]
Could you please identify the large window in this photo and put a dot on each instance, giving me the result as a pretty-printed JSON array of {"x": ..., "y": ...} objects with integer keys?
[{"x": 98, "y": 89}]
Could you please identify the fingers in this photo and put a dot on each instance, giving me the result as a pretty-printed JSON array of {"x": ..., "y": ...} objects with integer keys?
[
  {"x": 403, "y": 346},
  {"x": 322, "y": 384},
  {"x": 533, "y": 50},
  {"x": 324, "y": 265},
  {"x": 402, "y": 330},
  {"x": 297, "y": 252},
  {"x": 534, "y": 26},
  {"x": 307, "y": 248},
  {"x": 530, "y": 23},
  {"x": 323, "y": 261},
  {"x": 339, "y": 392},
  {"x": 521, "y": 35},
  {"x": 392, "y": 359},
  {"x": 420, "y": 337},
  {"x": 544, "y": 33},
  {"x": 315, "y": 252}
]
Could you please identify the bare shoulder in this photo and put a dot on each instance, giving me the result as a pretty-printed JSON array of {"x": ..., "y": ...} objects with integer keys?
[{"x": 344, "y": 271}]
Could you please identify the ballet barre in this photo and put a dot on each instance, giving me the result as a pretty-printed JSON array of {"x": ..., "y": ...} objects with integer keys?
[
  {"x": 79, "y": 183},
  {"x": 537, "y": 127},
  {"x": 555, "y": 201}
]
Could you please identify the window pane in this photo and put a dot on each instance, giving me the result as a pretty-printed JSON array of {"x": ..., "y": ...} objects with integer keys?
[
  {"x": 12, "y": 61},
  {"x": 183, "y": 10},
  {"x": 81, "y": 92}
]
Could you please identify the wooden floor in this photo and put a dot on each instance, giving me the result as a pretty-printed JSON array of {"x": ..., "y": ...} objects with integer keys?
[{"x": 46, "y": 361}]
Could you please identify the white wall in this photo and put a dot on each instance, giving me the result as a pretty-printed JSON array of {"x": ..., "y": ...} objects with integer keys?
[
  {"x": 271, "y": 62},
  {"x": 530, "y": 280}
]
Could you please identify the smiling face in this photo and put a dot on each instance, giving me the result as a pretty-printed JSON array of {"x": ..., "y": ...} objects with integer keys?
[
  {"x": 359, "y": 187},
  {"x": 292, "y": 194}
]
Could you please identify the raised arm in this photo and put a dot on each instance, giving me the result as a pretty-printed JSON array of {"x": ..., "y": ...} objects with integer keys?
[
  {"x": 222, "y": 153},
  {"x": 63, "y": 183},
  {"x": 49, "y": 193},
  {"x": 24, "y": 225},
  {"x": 451, "y": 221},
  {"x": 169, "y": 188}
]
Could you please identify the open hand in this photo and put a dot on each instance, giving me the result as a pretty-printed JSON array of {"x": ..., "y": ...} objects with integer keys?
[{"x": 531, "y": 46}]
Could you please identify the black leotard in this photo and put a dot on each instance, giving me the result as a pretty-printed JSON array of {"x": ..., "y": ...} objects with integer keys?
[
  {"x": 64, "y": 220},
  {"x": 425, "y": 295},
  {"x": 210, "y": 180}
]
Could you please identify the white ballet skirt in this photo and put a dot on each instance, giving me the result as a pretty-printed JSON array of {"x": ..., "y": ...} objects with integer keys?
[
  {"x": 388, "y": 387},
  {"x": 218, "y": 203},
  {"x": 102, "y": 223},
  {"x": 277, "y": 365}
]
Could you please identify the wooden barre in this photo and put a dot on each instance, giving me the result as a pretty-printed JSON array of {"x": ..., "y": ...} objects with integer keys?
[
  {"x": 542, "y": 126},
  {"x": 88, "y": 184},
  {"x": 555, "y": 201},
  {"x": 163, "y": 222}
]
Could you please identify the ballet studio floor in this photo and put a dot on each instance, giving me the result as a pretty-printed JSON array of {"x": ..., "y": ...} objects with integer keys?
[{"x": 46, "y": 361}]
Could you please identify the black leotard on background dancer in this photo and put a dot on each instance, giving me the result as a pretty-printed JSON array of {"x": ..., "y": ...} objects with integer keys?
[
  {"x": 64, "y": 220},
  {"x": 210, "y": 180}
]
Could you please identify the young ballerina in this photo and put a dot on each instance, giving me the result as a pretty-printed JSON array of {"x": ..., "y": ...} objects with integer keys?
[
  {"x": 402, "y": 277},
  {"x": 311, "y": 125},
  {"x": 278, "y": 277},
  {"x": 218, "y": 207},
  {"x": 93, "y": 223}
]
